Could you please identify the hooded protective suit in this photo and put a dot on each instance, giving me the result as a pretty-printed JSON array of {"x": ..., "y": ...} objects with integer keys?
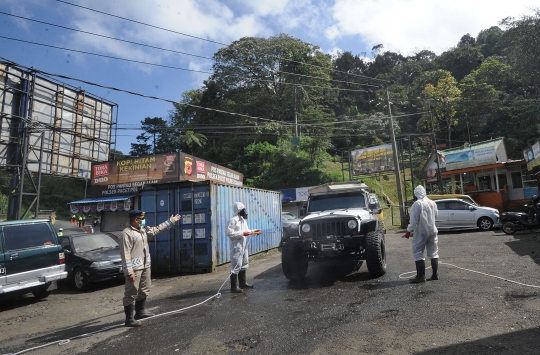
[
  {"x": 423, "y": 214},
  {"x": 235, "y": 231}
]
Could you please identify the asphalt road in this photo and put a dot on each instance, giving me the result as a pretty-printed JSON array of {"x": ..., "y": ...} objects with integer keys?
[{"x": 333, "y": 312}]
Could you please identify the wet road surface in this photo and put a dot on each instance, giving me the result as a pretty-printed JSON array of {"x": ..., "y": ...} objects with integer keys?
[{"x": 333, "y": 311}]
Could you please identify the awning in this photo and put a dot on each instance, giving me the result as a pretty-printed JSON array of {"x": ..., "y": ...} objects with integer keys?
[{"x": 101, "y": 199}]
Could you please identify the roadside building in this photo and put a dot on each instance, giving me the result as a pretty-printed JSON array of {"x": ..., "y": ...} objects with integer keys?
[{"x": 483, "y": 171}]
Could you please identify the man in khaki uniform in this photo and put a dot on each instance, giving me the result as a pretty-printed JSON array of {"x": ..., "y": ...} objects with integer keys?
[{"x": 136, "y": 263}]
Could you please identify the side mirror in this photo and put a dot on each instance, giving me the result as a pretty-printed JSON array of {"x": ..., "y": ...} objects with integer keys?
[
  {"x": 472, "y": 208},
  {"x": 67, "y": 251}
]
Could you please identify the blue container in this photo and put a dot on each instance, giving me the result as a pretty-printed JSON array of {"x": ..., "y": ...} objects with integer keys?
[{"x": 198, "y": 243}]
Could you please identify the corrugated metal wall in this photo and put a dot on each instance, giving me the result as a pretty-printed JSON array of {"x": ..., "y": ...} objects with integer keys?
[
  {"x": 199, "y": 242},
  {"x": 264, "y": 213}
]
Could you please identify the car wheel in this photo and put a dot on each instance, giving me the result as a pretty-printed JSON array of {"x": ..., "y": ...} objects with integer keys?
[
  {"x": 80, "y": 281},
  {"x": 509, "y": 228},
  {"x": 376, "y": 253},
  {"x": 485, "y": 223},
  {"x": 41, "y": 293},
  {"x": 294, "y": 262}
]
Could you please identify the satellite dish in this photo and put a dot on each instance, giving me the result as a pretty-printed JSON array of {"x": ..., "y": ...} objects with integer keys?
[{"x": 467, "y": 144}]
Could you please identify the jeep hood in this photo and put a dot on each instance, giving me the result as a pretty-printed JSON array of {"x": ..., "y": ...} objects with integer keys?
[{"x": 361, "y": 213}]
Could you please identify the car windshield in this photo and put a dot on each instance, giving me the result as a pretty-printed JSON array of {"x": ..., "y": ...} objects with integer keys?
[
  {"x": 336, "y": 202},
  {"x": 89, "y": 242}
]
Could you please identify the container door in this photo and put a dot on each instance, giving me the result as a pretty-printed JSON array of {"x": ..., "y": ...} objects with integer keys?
[
  {"x": 159, "y": 206},
  {"x": 196, "y": 242}
]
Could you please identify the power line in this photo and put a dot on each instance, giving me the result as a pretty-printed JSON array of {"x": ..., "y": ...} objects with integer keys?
[
  {"x": 139, "y": 94},
  {"x": 211, "y": 41},
  {"x": 192, "y": 70},
  {"x": 172, "y": 50}
]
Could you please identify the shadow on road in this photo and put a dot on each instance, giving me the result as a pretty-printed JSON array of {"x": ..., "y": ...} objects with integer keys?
[{"x": 519, "y": 342}]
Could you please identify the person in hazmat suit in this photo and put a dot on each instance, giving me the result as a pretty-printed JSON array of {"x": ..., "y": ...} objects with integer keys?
[
  {"x": 423, "y": 214},
  {"x": 237, "y": 231}
]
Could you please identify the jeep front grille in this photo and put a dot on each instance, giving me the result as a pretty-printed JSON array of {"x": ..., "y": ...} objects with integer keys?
[{"x": 322, "y": 230}]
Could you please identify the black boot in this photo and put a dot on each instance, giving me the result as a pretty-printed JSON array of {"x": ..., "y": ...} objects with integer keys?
[
  {"x": 130, "y": 321},
  {"x": 242, "y": 279},
  {"x": 420, "y": 272},
  {"x": 435, "y": 267},
  {"x": 234, "y": 281},
  {"x": 140, "y": 313}
]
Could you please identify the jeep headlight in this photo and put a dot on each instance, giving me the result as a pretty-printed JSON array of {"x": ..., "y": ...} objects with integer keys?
[
  {"x": 352, "y": 224},
  {"x": 306, "y": 228}
]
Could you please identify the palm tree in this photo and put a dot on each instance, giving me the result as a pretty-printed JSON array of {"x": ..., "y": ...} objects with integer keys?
[{"x": 192, "y": 139}]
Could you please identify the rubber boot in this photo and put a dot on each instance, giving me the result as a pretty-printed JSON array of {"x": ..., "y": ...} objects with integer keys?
[
  {"x": 140, "y": 312},
  {"x": 234, "y": 281},
  {"x": 435, "y": 268},
  {"x": 242, "y": 280},
  {"x": 130, "y": 321},
  {"x": 420, "y": 272}
]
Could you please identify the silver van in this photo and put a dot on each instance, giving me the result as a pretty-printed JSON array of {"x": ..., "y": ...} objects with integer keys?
[{"x": 31, "y": 259}]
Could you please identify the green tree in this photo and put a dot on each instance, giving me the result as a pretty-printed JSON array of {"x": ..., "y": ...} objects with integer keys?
[
  {"x": 157, "y": 137},
  {"x": 521, "y": 43},
  {"x": 192, "y": 139},
  {"x": 443, "y": 100}
]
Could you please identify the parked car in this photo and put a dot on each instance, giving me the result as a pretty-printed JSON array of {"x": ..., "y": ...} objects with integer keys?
[
  {"x": 290, "y": 225},
  {"x": 465, "y": 198},
  {"x": 455, "y": 213},
  {"x": 91, "y": 258},
  {"x": 31, "y": 259}
]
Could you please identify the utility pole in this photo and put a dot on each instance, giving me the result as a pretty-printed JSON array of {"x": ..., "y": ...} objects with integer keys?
[
  {"x": 439, "y": 179},
  {"x": 397, "y": 169}
]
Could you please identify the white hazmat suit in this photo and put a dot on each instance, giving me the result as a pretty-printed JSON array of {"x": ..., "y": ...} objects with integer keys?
[
  {"x": 235, "y": 231},
  {"x": 423, "y": 214}
]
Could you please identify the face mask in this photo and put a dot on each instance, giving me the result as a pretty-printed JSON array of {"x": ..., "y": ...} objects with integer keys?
[
  {"x": 143, "y": 223},
  {"x": 243, "y": 214}
]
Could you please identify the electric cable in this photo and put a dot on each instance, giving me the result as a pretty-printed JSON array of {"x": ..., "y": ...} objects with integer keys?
[
  {"x": 142, "y": 95},
  {"x": 211, "y": 41},
  {"x": 477, "y": 272},
  {"x": 196, "y": 71},
  {"x": 175, "y": 51}
]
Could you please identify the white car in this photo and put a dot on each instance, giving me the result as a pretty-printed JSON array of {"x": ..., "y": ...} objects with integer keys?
[{"x": 455, "y": 213}]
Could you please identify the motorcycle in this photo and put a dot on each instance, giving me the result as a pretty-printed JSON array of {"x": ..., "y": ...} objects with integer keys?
[
  {"x": 515, "y": 221},
  {"x": 96, "y": 222}
]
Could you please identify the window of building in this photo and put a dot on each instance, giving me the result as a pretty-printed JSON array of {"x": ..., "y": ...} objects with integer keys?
[
  {"x": 484, "y": 183},
  {"x": 502, "y": 181},
  {"x": 517, "y": 183}
]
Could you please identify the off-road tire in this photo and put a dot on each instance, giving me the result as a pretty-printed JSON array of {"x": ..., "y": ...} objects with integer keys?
[
  {"x": 294, "y": 261},
  {"x": 485, "y": 224},
  {"x": 376, "y": 253},
  {"x": 509, "y": 227}
]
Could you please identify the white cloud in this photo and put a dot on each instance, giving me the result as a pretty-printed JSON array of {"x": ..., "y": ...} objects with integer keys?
[
  {"x": 265, "y": 8},
  {"x": 206, "y": 19},
  {"x": 335, "y": 51},
  {"x": 406, "y": 25}
]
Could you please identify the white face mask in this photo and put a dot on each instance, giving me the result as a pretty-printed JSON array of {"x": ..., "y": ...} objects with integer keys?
[{"x": 143, "y": 223}]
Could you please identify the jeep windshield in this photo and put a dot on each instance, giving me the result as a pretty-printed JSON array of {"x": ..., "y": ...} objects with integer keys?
[{"x": 336, "y": 202}]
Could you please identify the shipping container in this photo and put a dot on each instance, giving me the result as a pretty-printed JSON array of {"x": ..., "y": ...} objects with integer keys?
[{"x": 198, "y": 242}]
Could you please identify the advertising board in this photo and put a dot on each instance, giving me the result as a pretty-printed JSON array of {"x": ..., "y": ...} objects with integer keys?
[
  {"x": 371, "y": 160},
  {"x": 471, "y": 158},
  {"x": 128, "y": 176}
]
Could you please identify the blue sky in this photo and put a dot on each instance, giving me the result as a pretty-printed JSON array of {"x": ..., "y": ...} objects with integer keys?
[{"x": 404, "y": 26}]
